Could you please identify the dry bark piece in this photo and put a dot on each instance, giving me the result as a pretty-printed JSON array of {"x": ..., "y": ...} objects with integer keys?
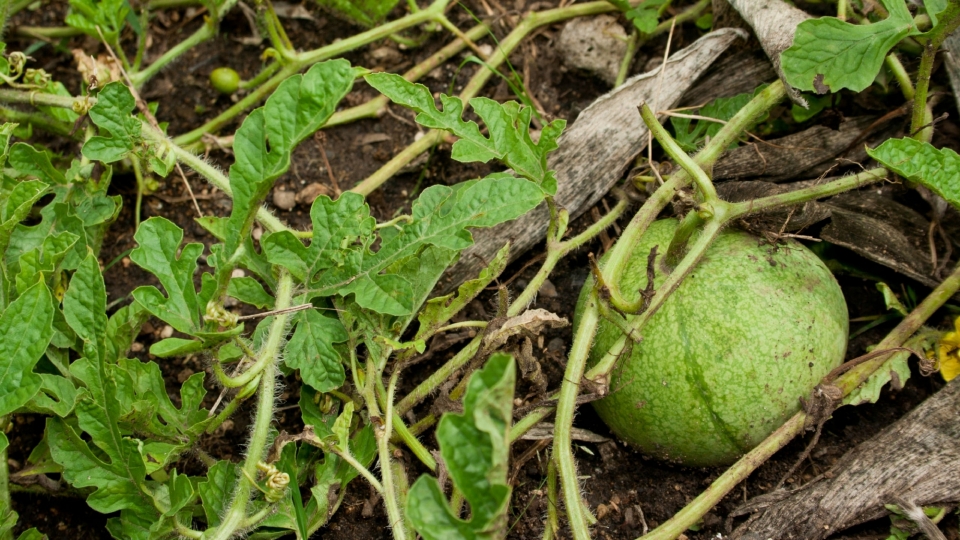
[
  {"x": 951, "y": 61},
  {"x": 882, "y": 230},
  {"x": 595, "y": 44},
  {"x": 736, "y": 74},
  {"x": 774, "y": 23},
  {"x": 792, "y": 156},
  {"x": 595, "y": 151},
  {"x": 916, "y": 459}
]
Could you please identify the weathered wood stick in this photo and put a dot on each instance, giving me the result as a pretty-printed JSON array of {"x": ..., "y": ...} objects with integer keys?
[
  {"x": 596, "y": 150},
  {"x": 917, "y": 459}
]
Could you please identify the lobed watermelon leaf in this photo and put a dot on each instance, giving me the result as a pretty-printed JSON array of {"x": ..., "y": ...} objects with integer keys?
[
  {"x": 829, "y": 54},
  {"x": 508, "y": 124}
]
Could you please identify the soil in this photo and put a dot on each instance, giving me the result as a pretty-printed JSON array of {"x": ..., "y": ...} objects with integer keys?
[{"x": 628, "y": 492}]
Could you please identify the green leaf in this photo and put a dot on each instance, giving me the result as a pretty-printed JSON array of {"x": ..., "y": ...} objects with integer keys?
[
  {"x": 829, "y": 54},
  {"x": 341, "y": 428},
  {"x": 508, "y": 125},
  {"x": 158, "y": 241},
  {"x": 31, "y": 162},
  {"x": 112, "y": 114},
  {"x": 215, "y": 492},
  {"x": 723, "y": 109},
  {"x": 934, "y": 9},
  {"x": 896, "y": 370},
  {"x": 891, "y": 300},
  {"x": 43, "y": 263},
  {"x": 57, "y": 217},
  {"x": 250, "y": 291},
  {"x": 57, "y": 396},
  {"x": 644, "y": 16},
  {"x": 147, "y": 409},
  {"x": 26, "y": 327},
  {"x": 367, "y": 13},
  {"x": 921, "y": 162},
  {"x": 311, "y": 350},
  {"x": 440, "y": 217},
  {"x": 268, "y": 136},
  {"x": 109, "y": 15},
  {"x": 475, "y": 450},
  {"x": 116, "y": 468}
]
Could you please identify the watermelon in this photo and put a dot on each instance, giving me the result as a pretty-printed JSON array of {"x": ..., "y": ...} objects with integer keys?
[{"x": 726, "y": 359}]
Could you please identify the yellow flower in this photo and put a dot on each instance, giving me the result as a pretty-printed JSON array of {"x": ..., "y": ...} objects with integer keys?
[{"x": 949, "y": 352}]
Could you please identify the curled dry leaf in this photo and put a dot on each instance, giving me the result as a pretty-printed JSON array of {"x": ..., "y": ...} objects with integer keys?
[
  {"x": 310, "y": 192},
  {"x": 531, "y": 322},
  {"x": 98, "y": 71}
]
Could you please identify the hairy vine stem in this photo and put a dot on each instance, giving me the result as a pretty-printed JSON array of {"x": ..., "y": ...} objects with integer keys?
[
  {"x": 948, "y": 22},
  {"x": 236, "y": 516}
]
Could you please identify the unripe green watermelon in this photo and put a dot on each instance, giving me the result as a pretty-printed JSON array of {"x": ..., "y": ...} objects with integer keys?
[{"x": 725, "y": 360}]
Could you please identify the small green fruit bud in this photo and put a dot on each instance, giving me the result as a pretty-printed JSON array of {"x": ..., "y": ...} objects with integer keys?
[{"x": 225, "y": 80}]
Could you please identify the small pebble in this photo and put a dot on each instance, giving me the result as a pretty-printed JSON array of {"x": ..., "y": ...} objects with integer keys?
[
  {"x": 238, "y": 273},
  {"x": 284, "y": 200},
  {"x": 548, "y": 289},
  {"x": 166, "y": 331},
  {"x": 136, "y": 346},
  {"x": 310, "y": 192}
]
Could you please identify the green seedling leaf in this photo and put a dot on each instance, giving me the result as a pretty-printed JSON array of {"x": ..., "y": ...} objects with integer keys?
[
  {"x": 109, "y": 15},
  {"x": 57, "y": 396},
  {"x": 475, "y": 450},
  {"x": 644, "y": 16},
  {"x": 936, "y": 168},
  {"x": 366, "y": 13},
  {"x": 215, "y": 492},
  {"x": 312, "y": 351},
  {"x": 344, "y": 233},
  {"x": 31, "y": 162},
  {"x": 250, "y": 291},
  {"x": 268, "y": 136},
  {"x": 691, "y": 139},
  {"x": 57, "y": 217},
  {"x": 829, "y": 54},
  {"x": 148, "y": 410},
  {"x": 158, "y": 241},
  {"x": 115, "y": 467},
  {"x": 26, "y": 327},
  {"x": 508, "y": 125},
  {"x": 112, "y": 114}
]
